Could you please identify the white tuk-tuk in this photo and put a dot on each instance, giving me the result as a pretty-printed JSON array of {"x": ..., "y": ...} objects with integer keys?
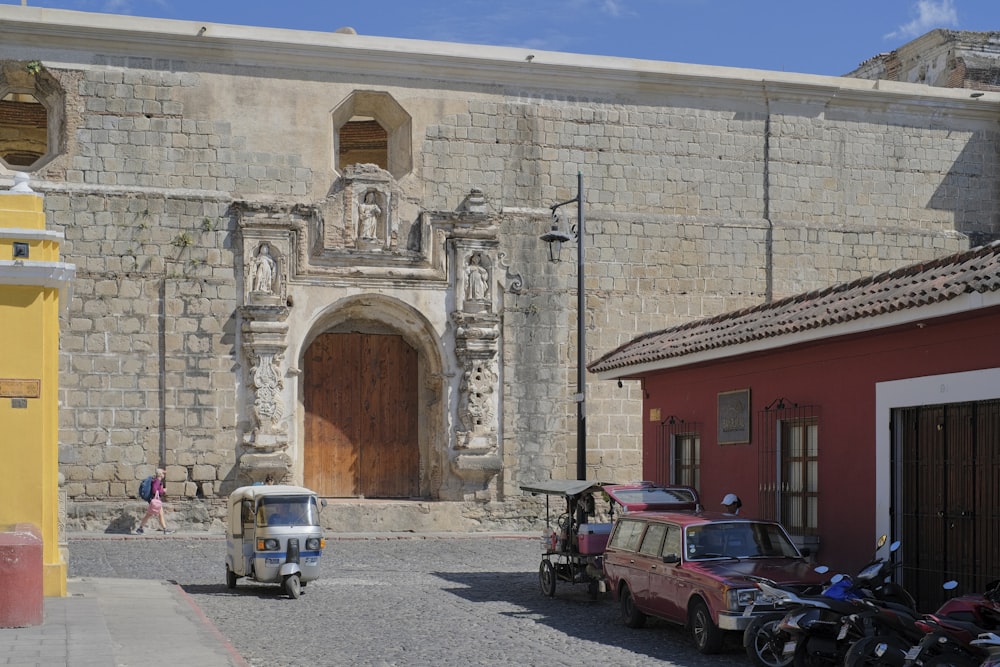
[{"x": 273, "y": 535}]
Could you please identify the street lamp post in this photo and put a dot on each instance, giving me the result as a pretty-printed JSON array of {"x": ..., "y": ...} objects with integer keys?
[{"x": 555, "y": 238}]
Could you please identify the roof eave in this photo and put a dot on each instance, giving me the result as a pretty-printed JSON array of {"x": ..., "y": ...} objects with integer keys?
[{"x": 963, "y": 304}]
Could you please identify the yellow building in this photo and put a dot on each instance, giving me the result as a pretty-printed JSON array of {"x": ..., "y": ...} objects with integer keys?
[{"x": 34, "y": 285}]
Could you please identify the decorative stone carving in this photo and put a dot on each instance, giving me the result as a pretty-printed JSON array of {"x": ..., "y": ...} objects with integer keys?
[
  {"x": 267, "y": 243},
  {"x": 264, "y": 278},
  {"x": 476, "y": 347},
  {"x": 476, "y": 409},
  {"x": 266, "y": 382},
  {"x": 263, "y": 271},
  {"x": 477, "y": 285},
  {"x": 368, "y": 207}
]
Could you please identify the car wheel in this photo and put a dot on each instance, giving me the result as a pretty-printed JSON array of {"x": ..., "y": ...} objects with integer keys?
[
  {"x": 764, "y": 643},
  {"x": 707, "y": 635},
  {"x": 547, "y": 578},
  {"x": 631, "y": 615},
  {"x": 230, "y": 578}
]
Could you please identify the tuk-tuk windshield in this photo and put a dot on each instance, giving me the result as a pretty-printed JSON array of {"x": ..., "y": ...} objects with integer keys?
[{"x": 287, "y": 511}]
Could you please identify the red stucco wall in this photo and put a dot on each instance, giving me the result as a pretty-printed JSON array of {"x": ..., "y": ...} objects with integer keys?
[{"x": 840, "y": 377}]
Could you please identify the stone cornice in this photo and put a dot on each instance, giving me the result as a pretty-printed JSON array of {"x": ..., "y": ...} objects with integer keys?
[{"x": 543, "y": 75}]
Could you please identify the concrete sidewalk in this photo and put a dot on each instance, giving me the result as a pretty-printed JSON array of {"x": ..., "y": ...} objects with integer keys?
[{"x": 119, "y": 623}]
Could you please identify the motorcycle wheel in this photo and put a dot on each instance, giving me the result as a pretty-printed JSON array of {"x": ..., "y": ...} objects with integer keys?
[
  {"x": 293, "y": 586},
  {"x": 547, "y": 578},
  {"x": 764, "y": 643},
  {"x": 951, "y": 661},
  {"x": 863, "y": 652},
  {"x": 804, "y": 658}
]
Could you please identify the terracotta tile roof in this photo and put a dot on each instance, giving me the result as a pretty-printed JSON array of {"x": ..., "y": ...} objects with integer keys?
[{"x": 914, "y": 286}]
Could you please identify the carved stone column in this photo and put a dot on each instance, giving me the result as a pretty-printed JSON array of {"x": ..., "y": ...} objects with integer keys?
[
  {"x": 477, "y": 342},
  {"x": 264, "y": 346}
]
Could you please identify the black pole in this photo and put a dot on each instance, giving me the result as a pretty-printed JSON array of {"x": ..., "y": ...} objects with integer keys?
[{"x": 581, "y": 341}]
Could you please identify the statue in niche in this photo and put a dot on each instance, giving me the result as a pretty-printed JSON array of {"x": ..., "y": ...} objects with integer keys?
[
  {"x": 263, "y": 271},
  {"x": 477, "y": 279},
  {"x": 368, "y": 216}
]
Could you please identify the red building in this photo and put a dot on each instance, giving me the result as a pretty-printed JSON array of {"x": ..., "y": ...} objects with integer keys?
[{"x": 867, "y": 408}]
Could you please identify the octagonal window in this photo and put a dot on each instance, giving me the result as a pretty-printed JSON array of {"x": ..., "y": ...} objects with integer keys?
[
  {"x": 31, "y": 115},
  {"x": 370, "y": 127},
  {"x": 24, "y": 130}
]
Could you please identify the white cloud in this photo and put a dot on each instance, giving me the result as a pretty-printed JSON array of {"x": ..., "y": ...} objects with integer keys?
[
  {"x": 613, "y": 7},
  {"x": 930, "y": 14}
]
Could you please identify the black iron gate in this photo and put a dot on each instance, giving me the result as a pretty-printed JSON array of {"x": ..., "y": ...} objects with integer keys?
[{"x": 946, "y": 477}]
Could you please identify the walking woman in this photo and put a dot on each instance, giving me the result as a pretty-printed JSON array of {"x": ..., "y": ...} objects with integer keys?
[{"x": 155, "y": 507}]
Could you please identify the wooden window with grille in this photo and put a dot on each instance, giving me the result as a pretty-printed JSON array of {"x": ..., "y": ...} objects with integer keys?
[
  {"x": 799, "y": 487},
  {"x": 686, "y": 456},
  {"x": 677, "y": 459}
]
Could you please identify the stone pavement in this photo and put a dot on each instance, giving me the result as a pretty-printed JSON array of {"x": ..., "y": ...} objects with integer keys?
[
  {"x": 119, "y": 623},
  {"x": 383, "y": 599}
]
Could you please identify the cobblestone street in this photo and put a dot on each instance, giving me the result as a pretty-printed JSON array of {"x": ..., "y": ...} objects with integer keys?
[{"x": 399, "y": 601}]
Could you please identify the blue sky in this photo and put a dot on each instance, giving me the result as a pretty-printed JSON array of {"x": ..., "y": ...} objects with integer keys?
[{"x": 811, "y": 36}]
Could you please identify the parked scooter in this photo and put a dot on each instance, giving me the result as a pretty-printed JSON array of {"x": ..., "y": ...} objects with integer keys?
[
  {"x": 950, "y": 634},
  {"x": 813, "y": 629},
  {"x": 989, "y": 642},
  {"x": 942, "y": 638},
  {"x": 895, "y": 632}
]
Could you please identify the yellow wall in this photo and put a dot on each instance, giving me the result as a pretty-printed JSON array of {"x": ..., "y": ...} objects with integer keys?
[{"x": 29, "y": 351}]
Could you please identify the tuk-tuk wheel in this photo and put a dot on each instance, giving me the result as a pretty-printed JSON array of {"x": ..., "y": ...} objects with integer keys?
[
  {"x": 230, "y": 578},
  {"x": 294, "y": 586},
  {"x": 547, "y": 578}
]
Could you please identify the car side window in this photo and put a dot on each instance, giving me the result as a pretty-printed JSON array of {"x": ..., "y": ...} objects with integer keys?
[
  {"x": 653, "y": 539},
  {"x": 672, "y": 542},
  {"x": 627, "y": 535}
]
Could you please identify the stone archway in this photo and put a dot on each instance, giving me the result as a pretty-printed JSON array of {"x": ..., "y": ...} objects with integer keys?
[{"x": 371, "y": 403}]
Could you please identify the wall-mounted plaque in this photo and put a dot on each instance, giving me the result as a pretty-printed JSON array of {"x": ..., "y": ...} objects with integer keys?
[
  {"x": 13, "y": 388},
  {"x": 734, "y": 417}
]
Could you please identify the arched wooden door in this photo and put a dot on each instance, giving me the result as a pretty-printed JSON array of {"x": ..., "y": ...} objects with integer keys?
[{"x": 361, "y": 416}]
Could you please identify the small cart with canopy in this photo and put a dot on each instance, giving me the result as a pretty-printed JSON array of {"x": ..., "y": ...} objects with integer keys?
[{"x": 573, "y": 549}]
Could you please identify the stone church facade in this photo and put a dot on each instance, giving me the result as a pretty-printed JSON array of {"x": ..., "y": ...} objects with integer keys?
[{"x": 317, "y": 256}]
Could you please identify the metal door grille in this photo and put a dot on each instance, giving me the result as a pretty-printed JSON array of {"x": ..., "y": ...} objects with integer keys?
[
  {"x": 769, "y": 429},
  {"x": 946, "y": 476}
]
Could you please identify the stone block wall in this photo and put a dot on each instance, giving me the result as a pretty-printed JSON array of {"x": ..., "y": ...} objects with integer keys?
[{"x": 702, "y": 196}]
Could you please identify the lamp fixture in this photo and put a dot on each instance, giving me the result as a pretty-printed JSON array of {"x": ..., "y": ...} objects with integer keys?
[{"x": 555, "y": 238}]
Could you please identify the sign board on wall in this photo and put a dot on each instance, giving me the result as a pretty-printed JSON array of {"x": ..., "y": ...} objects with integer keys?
[{"x": 734, "y": 417}]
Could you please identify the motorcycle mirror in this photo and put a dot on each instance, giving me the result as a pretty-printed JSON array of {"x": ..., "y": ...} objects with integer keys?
[
  {"x": 895, "y": 546},
  {"x": 880, "y": 542},
  {"x": 822, "y": 569},
  {"x": 950, "y": 585}
]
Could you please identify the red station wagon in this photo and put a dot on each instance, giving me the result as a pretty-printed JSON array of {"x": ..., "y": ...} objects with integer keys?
[{"x": 691, "y": 568}]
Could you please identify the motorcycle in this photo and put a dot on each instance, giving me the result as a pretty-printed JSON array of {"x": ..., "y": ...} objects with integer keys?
[
  {"x": 815, "y": 629},
  {"x": 989, "y": 642},
  {"x": 942, "y": 638}
]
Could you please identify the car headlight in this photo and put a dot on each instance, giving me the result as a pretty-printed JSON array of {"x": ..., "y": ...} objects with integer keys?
[
  {"x": 315, "y": 544},
  {"x": 268, "y": 544},
  {"x": 741, "y": 597}
]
